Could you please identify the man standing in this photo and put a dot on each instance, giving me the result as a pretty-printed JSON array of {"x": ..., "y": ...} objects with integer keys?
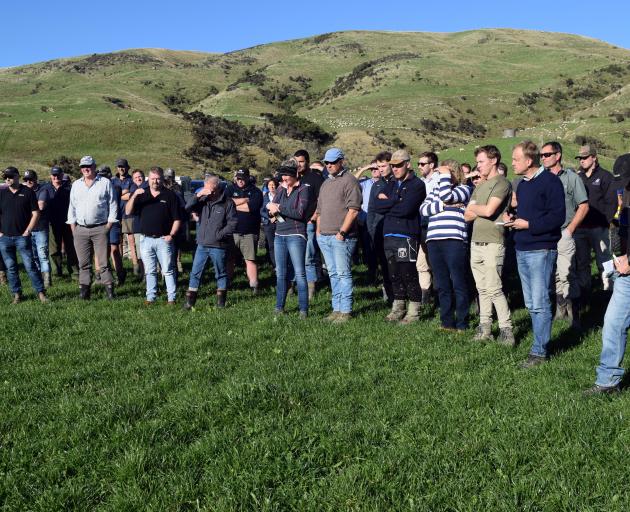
[
  {"x": 427, "y": 165},
  {"x": 61, "y": 238},
  {"x": 39, "y": 237},
  {"x": 488, "y": 203},
  {"x": 248, "y": 199},
  {"x": 593, "y": 231},
  {"x": 576, "y": 206},
  {"x": 217, "y": 222},
  {"x": 617, "y": 318},
  {"x": 400, "y": 203},
  {"x": 337, "y": 209},
  {"x": 159, "y": 212},
  {"x": 367, "y": 247},
  {"x": 314, "y": 180},
  {"x": 540, "y": 215},
  {"x": 375, "y": 220},
  {"x": 91, "y": 214},
  {"x": 18, "y": 217}
]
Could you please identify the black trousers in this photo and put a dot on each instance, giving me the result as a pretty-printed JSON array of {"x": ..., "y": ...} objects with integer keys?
[{"x": 401, "y": 256}]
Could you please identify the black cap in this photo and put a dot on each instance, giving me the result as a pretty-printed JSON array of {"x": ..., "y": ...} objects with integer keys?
[
  {"x": 122, "y": 162},
  {"x": 11, "y": 172},
  {"x": 56, "y": 171},
  {"x": 29, "y": 174},
  {"x": 104, "y": 171},
  {"x": 242, "y": 173}
]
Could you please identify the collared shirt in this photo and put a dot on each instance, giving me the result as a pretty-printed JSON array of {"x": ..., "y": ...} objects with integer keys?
[
  {"x": 540, "y": 170},
  {"x": 92, "y": 205},
  {"x": 574, "y": 193},
  {"x": 16, "y": 210},
  {"x": 432, "y": 182}
]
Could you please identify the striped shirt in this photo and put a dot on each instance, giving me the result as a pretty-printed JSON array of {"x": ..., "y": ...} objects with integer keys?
[{"x": 445, "y": 221}]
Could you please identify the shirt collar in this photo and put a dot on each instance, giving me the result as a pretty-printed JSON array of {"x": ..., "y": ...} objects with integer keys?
[{"x": 538, "y": 173}]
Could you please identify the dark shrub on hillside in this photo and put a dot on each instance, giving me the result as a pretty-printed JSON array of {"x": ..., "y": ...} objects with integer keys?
[
  {"x": 592, "y": 141},
  {"x": 299, "y": 128},
  {"x": 70, "y": 165}
]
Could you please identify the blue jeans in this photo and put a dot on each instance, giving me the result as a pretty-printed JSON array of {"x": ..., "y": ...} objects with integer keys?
[
  {"x": 156, "y": 250},
  {"x": 338, "y": 257},
  {"x": 9, "y": 246},
  {"x": 218, "y": 257},
  {"x": 293, "y": 248},
  {"x": 614, "y": 334},
  {"x": 40, "y": 250},
  {"x": 313, "y": 262},
  {"x": 536, "y": 269},
  {"x": 449, "y": 264}
]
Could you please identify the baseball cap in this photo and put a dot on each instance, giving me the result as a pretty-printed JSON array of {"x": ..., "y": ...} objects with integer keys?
[
  {"x": 399, "y": 157},
  {"x": 169, "y": 173},
  {"x": 333, "y": 154},
  {"x": 104, "y": 170},
  {"x": 29, "y": 174},
  {"x": 87, "y": 161},
  {"x": 621, "y": 169},
  {"x": 242, "y": 173},
  {"x": 586, "y": 150},
  {"x": 11, "y": 172},
  {"x": 56, "y": 171},
  {"x": 122, "y": 162}
]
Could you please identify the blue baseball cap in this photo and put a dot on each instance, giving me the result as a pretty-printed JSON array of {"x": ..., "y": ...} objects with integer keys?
[{"x": 333, "y": 154}]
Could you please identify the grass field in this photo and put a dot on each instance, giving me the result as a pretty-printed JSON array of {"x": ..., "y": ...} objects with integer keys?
[{"x": 115, "y": 406}]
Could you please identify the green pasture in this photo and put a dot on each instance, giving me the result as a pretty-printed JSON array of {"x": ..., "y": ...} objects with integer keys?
[{"x": 116, "y": 406}]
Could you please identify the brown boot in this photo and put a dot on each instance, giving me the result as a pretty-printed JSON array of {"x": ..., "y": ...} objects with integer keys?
[
  {"x": 42, "y": 298},
  {"x": 398, "y": 311},
  {"x": 17, "y": 298}
]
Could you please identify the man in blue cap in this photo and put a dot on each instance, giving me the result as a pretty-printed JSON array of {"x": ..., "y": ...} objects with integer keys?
[{"x": 338, "y": 207}]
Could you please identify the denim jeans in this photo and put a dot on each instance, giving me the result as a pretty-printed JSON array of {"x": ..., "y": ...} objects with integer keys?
[
  {"x": 313, "y": 262},
  {"x": 218, "y": 257},
  {"x": 156, "y": 250},
  {"x": 294, "y": 248},
  {"x": 9, "y": 246},
  {"x": 536, "y": 270},
  {"x": 449, "y": 264},
  {"x": 338, "y": 257},
  {"x": 614, "y": 334},
  {"x": 40, "y": 250}
]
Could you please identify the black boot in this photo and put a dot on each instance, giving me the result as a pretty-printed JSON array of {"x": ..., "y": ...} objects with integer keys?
[
  {"x": 221, "y": 297},
  {"x": 109, "y": 289},
  {"x": 84, "y": 292},
  {"x": 191, "y": 299}
]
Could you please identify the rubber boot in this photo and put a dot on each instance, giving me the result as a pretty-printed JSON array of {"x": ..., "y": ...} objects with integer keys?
[
  {"x": 427, "y": 298},
  {"x": 84, "y": 292},
  {"x": 561, "y": 308},
  {"x": 109, "y": 290},
  {"x": 398, "y": 311},
  {"x": 221, "y": 298},
  {"x": 46, "y": 279},
  {"x": 122, "y": 277},
  {"x": 573, "y": 313},
  {"x": 191, "y": 299},
  {"x": 413, "y": 313}
]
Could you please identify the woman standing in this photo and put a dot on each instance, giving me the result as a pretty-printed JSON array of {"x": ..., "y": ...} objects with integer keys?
[
  {"x": 447, "y": 238},
  {"x": 268, "y": 221},
  {"x": 290, "y": 211}
]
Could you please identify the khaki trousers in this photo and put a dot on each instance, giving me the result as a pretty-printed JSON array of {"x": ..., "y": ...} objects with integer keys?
[
  {"x": 87, "y": 240},
  {"x": 567, "y": 285},
  {"x": 486, "y": 261},
  {"x": 423, "y": 267}
]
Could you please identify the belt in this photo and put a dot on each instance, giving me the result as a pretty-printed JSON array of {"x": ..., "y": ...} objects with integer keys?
[
  {"x": 92, "y": 225},
  {"x": 481, "y": 243},
  {"x": 154, "y": 236}
]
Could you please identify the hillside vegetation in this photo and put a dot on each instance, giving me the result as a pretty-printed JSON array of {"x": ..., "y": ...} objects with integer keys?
[{"x": 361, "y": 90}]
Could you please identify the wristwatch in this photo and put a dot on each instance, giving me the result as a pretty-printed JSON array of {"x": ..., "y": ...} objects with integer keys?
[{"x": 343, "y": 234}]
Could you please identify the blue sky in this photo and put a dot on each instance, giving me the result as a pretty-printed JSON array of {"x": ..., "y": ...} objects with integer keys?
[{"x": 34, "y": 31}]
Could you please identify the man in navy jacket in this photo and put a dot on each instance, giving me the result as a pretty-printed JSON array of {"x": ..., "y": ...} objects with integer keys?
[{"x": 540, "y": 215}]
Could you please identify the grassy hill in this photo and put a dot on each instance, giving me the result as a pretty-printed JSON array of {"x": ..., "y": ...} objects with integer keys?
[{"x": 372, "y": 90}]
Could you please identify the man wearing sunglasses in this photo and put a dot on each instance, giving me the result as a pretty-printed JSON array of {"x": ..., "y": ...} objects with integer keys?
[
  {"x": 18, "y": 217},
  {"x": 427, "y": 169},
  {"x": 593, "y": 231},
  {"x": 40, "y": 232},
  {"x": 576, "y": 205}
]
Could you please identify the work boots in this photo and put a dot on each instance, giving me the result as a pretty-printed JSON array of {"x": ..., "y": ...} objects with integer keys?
[
  {"x": 191, "y": 299},
  {"x": 17, "y": 298},
  {"x": 483, "y": 332},
  {"x": 109, "y": 290},
  {"x": 413, "y": 313},
  {"x": 398, "y": 311},
  {"x": 221, "y": 298},
  {"x": 85, "y": 292}
]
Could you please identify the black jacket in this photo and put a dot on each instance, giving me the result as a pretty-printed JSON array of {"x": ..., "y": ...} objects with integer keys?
[
  {"x": 374, "y": 222},
  {"x": 602, "y": 198},
  {"x": 401, "y": 208},
  {"x": 248, "y": 222},
  {"x": 217, "y": 220}
]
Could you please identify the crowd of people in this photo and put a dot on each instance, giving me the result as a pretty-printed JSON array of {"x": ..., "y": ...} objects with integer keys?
[{"x": 439, "y": 236}]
